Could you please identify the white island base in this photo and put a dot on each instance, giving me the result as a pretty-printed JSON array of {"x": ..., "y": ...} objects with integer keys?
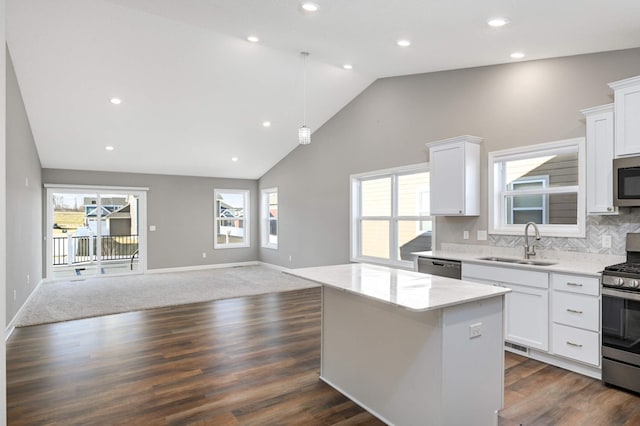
[{"x": 409, "y": 366}]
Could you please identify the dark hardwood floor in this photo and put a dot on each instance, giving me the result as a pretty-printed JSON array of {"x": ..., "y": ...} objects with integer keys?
[
  {"x": 540, "y": 394},
  {"x": 249, "y": 361}
]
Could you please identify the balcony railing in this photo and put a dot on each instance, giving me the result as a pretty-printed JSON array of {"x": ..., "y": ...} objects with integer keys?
[{"x": 72, "y": 250}]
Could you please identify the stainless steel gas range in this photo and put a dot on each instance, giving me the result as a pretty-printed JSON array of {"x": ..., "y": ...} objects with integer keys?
[{"x": 621, "y": 319}]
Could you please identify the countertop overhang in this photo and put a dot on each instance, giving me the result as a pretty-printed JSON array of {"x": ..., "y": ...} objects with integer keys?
[{"x": 413, "y": 291}]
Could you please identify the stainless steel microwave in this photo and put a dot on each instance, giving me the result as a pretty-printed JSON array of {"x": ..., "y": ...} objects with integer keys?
[{"x": 626, "y": 181}]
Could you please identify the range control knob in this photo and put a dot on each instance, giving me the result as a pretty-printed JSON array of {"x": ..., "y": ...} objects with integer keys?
[
  {"x": 618, "y": 281},
  {"x": 634, "y": 284}
]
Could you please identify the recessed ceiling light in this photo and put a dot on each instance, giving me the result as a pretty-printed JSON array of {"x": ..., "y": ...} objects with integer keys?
[
  {"x": 517, "y": 55},
  {"x": 497, "y": 22},
  {"x": 115, "y": 101},
  {"x": 266, "y": 123},
  {"x": 253, "y": 39},
  {"x": 234, "y": 159},
  {"x": 309, "y": 6},
  {"x": 347, "y": 66},
  {"x": 404, "y": 43},
  {"x": 109, "y": 148}
]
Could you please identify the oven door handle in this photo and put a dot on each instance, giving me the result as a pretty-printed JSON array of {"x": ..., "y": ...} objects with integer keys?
[{"x": 621, "y": 294}]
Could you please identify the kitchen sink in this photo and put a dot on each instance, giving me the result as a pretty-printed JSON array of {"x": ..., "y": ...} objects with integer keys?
[{"x": 518, "y": 261}]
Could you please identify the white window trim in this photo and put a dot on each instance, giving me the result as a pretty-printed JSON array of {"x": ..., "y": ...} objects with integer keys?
[
  {"x": 496, "y": 210},
  {"x": 265, "y": 220},
  {"x": 356, "y": 208},
  {"x": 246, "y": 219}
]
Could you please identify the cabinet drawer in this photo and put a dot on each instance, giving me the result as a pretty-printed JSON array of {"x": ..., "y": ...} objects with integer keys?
[
  {"x": 576, "y": 310},
  {"x": 576, "y": 284},
  {"x": 506, "y": 275},
  {"x": 581, "y": 345}
]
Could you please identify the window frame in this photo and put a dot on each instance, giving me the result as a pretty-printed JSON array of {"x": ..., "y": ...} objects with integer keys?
[
  {"x": 393, "y": 219},
  {"x": 265, "y": 219},
  {"x": 245, "y": 218},
  {"x": 496, "y": 194}
]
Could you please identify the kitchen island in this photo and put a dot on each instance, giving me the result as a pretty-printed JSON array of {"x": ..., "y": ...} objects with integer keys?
[{"x": 411, "y": 348}]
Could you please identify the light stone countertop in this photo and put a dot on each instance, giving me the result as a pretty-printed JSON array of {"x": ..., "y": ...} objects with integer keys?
[
  {"x": 407, "y": 289},
  {"x": 590, "y": 264}
]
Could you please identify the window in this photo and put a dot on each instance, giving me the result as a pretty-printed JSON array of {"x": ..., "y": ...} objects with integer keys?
[
  {"x": 231, "y": 218},
  {"x": 540, "y": 183},
  {"x": 390, "y": 215},
  {"x": 269, "y": 214}
]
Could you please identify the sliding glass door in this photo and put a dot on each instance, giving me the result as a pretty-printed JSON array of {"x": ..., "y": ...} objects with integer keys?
[{"x": 95, "y": 231}]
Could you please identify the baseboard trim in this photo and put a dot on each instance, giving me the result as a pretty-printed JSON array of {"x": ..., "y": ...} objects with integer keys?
[
  {"x": 575, "y": 366},
  {"x": 12, "y": 324},
  {"x": 276, "y": 267},
  {"x": 202, "y": 267}
]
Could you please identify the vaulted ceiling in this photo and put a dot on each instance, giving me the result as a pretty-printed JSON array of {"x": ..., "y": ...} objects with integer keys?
[{"x": 195, "y": 92}]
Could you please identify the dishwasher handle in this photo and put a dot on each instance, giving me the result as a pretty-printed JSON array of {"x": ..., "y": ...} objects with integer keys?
[
  {"x": 439, "y": 262},
  {"x": 440, "y": 267}
]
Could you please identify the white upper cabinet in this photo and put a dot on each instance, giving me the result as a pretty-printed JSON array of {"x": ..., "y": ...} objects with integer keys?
[
  {"x": 455, "y": 176},
  {"x": 600, "y": 143},
  {"x": 627, "y": 116}
]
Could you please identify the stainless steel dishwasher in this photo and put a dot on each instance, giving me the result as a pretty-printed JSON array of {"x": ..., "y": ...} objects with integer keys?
[{"x": 440, "y": 267}]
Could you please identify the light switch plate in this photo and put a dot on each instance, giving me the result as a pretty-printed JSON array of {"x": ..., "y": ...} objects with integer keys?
[
  {"x": 465, "y": 235},
  {"x": 482, "y": 235},
  {"x": 152, "y": 227},
  {"x": 606, "y": 241}
]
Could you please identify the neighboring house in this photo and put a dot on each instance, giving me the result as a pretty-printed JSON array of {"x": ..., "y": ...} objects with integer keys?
[
  {"x": 119, "y": 221},
  {"x": 543, "y": 172},
  {"x": 232, "y": 227},
  {"x": 91, "y": 212},
  {"x": 273, "y": 224},
  {"x": 119, "y": 216},
  {"x": 124, "y": 221},
  {"x": 420, "y": 243}
]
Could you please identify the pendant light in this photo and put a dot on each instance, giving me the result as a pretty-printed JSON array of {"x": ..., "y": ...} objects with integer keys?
[{"x": 304, "y": 133}]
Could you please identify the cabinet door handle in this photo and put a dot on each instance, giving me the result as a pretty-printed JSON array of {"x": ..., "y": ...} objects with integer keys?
[
  {"x": 577, "y": 345},
  {"x": 573, "y": 311},
  {"x": 574, "y": 284}
]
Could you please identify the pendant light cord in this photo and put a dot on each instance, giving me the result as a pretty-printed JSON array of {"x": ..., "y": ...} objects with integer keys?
[{"x": 304, "y": 87}]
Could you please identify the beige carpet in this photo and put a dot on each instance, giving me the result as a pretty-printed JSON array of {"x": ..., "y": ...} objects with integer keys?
[{"x": 69, "y": 300}]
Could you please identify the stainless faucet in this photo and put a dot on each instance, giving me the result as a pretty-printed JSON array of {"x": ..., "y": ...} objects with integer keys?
[{"x": 530, "y": 251}]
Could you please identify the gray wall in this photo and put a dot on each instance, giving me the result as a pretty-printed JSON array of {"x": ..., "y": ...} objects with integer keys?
[
  {"x": 3, "y": 213},
  {"x": 181, "y": 208},
  {"x": 24, "y": 202},
  {"x": 388, "y": 124}
]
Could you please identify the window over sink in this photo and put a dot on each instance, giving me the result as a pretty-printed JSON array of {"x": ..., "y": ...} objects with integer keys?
[{"x": 538, "y": 183}]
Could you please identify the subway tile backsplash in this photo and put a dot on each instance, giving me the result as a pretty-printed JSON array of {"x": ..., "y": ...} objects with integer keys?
[{"x": 617, "y": 226}]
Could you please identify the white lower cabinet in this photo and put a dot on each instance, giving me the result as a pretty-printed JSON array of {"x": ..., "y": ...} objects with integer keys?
[
  {"x": 555, "y": 315},
  {"x": 527, "y": 316},
  {"x": 526, "y": 307},
  {"x": 575, "y": 316}
]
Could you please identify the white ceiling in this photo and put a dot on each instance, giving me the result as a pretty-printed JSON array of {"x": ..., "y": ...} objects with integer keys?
[{"x": 195, "y": 92}]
